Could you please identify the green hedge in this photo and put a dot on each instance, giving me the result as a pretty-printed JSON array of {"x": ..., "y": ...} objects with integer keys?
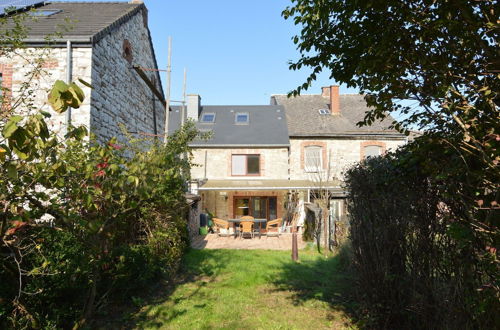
[{"x": 422, "y": 258}]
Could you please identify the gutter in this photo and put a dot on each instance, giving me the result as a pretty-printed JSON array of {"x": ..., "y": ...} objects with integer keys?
[
  {"x": 239, "y": 145},
  {"x": 69, "y": 73},
  {"x": 267, "y": 188}
]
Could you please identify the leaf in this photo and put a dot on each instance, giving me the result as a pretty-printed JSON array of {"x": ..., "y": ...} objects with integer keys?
[
  {"x": 2, "y": 154},
  {"x": 12, "y": 171},
  {"x": 11, "y": 126}
]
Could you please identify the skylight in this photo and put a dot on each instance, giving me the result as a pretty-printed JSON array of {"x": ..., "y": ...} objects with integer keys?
[
  {"x": 208, "y": 117},
  {"x": 241, "y": 118},
  {"x": 43, "y": 13},
  {"x": 324, "y": 111}
]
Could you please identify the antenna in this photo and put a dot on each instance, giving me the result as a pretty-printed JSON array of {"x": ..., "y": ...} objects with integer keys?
[
  {"x": 183, "y": 111},
  {"x": 167, "y": 96}
]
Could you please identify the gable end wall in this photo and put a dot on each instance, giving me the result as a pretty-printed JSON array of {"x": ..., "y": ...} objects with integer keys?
[{"x": 120, "y": 96}]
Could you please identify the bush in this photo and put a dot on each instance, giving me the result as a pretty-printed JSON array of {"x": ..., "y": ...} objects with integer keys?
[
  {"x": 57, "y": 282},
  {"x": 422, "y": 254}
]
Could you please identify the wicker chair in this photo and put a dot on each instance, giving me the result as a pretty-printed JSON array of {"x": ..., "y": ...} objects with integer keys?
[
  {"x": 273, "y": 227},
  {"x": 221, "y": 224},
  {"x": 246, "y": 227}
]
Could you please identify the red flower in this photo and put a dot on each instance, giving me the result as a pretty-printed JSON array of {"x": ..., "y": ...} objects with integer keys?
[
  {"x": 16, "y": 226},
  {"x": 115, "y": 146},
  {"x": 100, "y": 173},
  {"x": 102, "y": 165}
]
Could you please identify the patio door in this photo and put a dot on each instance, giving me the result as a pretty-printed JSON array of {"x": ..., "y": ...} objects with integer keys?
[{"x": 259, "y": 207}]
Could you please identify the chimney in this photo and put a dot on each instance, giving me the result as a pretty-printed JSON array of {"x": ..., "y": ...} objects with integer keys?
[
  {"x": 136, "y": 1},
  {"x": 193, "y": 106},
  {"x": 325, "y": 91},
  {"x": 334, "y": 100}
]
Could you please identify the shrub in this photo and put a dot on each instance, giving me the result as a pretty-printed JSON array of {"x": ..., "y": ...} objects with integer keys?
[{"x": 422, "y": 253}]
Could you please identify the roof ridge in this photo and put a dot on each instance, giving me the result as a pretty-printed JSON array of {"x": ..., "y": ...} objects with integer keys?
[
  {"x": 119, "y": 21},
  {"x": 112, "y": 2}
]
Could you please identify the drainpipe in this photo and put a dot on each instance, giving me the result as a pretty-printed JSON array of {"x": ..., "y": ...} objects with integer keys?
[{"x": 69, "y": 65}]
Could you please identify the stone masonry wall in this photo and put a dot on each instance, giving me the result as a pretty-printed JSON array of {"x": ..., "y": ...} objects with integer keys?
[
  {"x": 342, "y": 154},
  {"x": 273, "y": 163},
  {"x": 120, "y": 96},
  {"x": 16, "y": 70}
]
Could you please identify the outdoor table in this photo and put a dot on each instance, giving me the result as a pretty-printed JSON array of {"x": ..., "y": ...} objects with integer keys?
[{"x": 235, "y": 221}]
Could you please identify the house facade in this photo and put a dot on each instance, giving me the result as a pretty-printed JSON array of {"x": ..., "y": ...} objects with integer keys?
[
  {"x": 104, "y": 44},
  {"x": 258, "y": 156}
]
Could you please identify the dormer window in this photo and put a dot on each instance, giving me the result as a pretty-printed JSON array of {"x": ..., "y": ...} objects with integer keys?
[
  {"x": 208, "y": 117},
  {"x": 241, "y": 118}
]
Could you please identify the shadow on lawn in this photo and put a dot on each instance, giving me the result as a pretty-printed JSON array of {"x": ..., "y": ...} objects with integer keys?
[
  {"x": 325, "y": 279},
  {"x": 198, "y": 268}
]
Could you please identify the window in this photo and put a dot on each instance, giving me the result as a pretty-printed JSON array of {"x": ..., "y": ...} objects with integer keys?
[
  {"x": 324, "y": 111},
  {"x": 245, "y": 164},
  {"x": 372, "y": 151},
  {"x": 208, "y": 117},
  {"x": 313, "y": 161},
  {"x": 46, "y": 13},
  {"x": 241, "y": 118}
]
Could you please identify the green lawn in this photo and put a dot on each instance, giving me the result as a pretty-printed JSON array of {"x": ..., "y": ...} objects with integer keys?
[{"x": 252, "y": 289}]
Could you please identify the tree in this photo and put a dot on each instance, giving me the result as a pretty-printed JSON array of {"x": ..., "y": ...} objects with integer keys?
[{"x": 442, "y": 55}]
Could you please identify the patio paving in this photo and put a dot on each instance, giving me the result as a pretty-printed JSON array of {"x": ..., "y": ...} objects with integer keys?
[{"x": 213, "y": 241}]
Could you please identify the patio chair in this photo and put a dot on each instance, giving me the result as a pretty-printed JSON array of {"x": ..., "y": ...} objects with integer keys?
[
  {"x": 246, "y": 227},
  {"x": 273, "y": 227},
  {"x": 222, "y": 226}
]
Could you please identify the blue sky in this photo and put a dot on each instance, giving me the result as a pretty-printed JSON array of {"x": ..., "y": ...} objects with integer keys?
[{"x": 235, "y": 52}]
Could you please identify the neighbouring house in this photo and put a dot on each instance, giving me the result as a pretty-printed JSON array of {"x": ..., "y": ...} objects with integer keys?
[
  {"x": 107, "y": 44},
  {"x": 243, "y": 168},
  {"x": 258, "y": 155},
  {"x": 325, "y": 140}
]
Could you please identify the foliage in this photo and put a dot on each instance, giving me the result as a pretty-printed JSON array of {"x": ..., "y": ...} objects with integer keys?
[
  {"x": 420, "y": 258},
  {"x": 119, "y": 207},
  {"x": 428, "y": 244}
]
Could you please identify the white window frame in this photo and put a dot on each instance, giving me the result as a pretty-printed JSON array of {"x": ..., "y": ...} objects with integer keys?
[
  {"x": 206, "y": 114},
  {"x": 313, "y": 168},
  {"x": 241, "y": 122}
]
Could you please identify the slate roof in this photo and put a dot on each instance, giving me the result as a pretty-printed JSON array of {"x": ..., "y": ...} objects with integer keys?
[
  {"x": 266, "y": 128},
  {"x": 88, "y": 21},
  {"x": 304, "y": 118}
]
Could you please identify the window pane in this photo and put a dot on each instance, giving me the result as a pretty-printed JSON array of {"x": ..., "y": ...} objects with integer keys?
[
  {"x": 208, "y": 118},
  {"x": 313, "y": 159},
  {"x": 253, "y": 166},
  {"x": 241, "y": 207},
  {"x": 242, "y": 118},
  {"x": 372, "y": 151},
  {"x": 238, "y": 165}
]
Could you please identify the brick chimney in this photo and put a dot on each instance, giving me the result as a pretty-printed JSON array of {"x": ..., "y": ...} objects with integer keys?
[
  {"x": 193, "y": 106},
  {"x": 334, "y": 100},
  {"x": 136, "y": 1}
]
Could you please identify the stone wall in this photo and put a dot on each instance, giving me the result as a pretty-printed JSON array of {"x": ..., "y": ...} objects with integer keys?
[
  {"x": 16, "y": 72},
  {"x": 120, "y": 96},
  {"x": 273, "y": 163},
  {"x": 342, "y": 154}
]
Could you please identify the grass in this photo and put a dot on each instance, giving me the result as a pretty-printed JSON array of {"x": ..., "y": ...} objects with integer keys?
[{"x": 252, "y": 289}]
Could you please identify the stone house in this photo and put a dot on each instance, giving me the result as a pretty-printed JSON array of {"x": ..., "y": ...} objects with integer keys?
[
  {"x": 107, "y": 44},
  {"x": 325, "y": 140},
  {"x": 258, "y": 155}
]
